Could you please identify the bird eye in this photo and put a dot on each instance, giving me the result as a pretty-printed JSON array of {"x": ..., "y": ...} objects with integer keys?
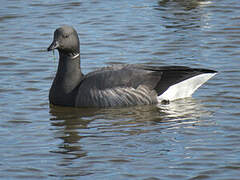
[{"x": 66, "y": 35}]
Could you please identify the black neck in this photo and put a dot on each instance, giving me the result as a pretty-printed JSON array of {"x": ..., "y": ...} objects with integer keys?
[
  {"x": 67, "y": 79},
  {"x": 68, "y": 65}
]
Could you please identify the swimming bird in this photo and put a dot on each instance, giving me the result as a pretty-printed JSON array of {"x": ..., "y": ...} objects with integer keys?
[{"x": 117, "y": 85}]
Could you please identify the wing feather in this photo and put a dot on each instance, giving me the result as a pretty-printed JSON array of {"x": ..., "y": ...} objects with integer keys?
[{"x": 127, "y": 85}]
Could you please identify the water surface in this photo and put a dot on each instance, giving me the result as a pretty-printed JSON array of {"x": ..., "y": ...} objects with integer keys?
[{"x": 193, "y": 138}]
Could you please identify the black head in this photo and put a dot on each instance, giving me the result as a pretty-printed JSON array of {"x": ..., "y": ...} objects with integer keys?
[{"x": 65, "y": 40}]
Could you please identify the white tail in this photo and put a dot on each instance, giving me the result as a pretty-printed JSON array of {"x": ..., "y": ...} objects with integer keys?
[{"x": 185, "y": 88}]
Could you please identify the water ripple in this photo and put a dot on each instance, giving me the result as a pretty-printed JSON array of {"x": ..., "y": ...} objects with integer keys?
[{"x": 195, "y": 138}]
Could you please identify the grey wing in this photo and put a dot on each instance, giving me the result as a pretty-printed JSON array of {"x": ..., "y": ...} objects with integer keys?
[{"x": 123, "y": 85}]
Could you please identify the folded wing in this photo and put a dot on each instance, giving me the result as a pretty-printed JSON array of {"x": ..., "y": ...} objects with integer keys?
[{"x": 127, "y": 85}]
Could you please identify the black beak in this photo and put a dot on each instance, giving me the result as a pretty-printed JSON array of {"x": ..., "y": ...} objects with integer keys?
[{"x": 53, "y": 46}]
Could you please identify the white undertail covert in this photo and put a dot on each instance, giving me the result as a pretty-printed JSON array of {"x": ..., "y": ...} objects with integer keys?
[{"x": 185, "y": 88}]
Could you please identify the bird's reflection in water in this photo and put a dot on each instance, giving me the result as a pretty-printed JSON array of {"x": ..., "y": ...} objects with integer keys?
[
  {"x": 186, "y": 4},
  {"x": 73, "y": 124},
  {"x": 82, "y": 131},
  {"x": 67, "y": 124},
  {"x": 184, "y": 111}
]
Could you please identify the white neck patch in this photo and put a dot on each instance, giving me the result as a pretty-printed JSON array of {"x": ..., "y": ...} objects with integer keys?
[{"x": 75, "y": 56}]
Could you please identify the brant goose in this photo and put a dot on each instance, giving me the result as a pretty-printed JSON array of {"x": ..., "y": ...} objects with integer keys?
[{"x": 116, "y": 85}]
